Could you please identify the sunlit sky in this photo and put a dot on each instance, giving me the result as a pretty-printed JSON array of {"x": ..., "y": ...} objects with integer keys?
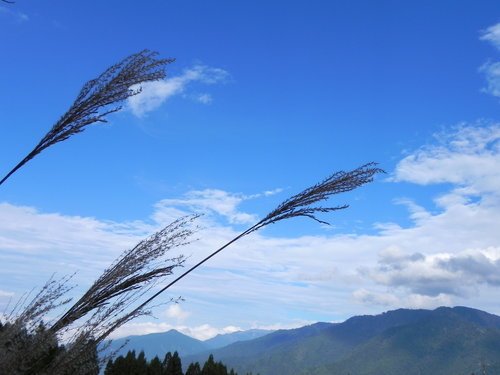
[{"x": 264, "y": 99}]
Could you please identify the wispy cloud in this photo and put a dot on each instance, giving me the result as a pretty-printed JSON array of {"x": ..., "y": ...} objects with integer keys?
[
  {"x": 448, "y": 254},
  {"x": 492, "y": 35},
  {"x": 467, "y": 157},
  {"x": 33, "y": 245},
  {"x": 411, "y": 300},
  {"x": 212, "y": 201},
  {"x": 154, "y": 94},
  {"x": 15, "y": 15},
  {"x": 204, "y": 98},
  {"x": 176, "y": 312},
  {"x": 3, "y": 293},
  {"x": 491, "y": 70}
]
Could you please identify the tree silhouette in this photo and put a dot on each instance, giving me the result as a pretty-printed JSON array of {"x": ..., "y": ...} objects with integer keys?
[{"x": 174, "y": 365}]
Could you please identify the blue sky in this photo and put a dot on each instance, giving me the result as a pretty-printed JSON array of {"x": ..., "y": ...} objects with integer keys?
[{"x": 264, "y": 99}]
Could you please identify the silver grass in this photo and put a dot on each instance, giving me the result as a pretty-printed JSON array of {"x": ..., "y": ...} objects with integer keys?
[
  {"x": 303, "y": 204},
  {"x": 100, "y": 97},
  {"x": 131, "y": 274},
  {"x": 104, "y": 307}
]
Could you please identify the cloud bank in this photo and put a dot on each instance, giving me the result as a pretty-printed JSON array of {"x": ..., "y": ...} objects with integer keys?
[{"x": 448, "y": 254}]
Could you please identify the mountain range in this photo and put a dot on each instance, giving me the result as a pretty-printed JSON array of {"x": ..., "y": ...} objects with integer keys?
[
  {"x": 158, "y": 344},
  {"x": 443, "y": 341}
]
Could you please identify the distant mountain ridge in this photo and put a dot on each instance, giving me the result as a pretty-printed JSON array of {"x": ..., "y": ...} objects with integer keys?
[
  {"x": 222, "y": 340},
  {"x": 440, "y": 342},
  {"x": 158, "y": 344},
  {"x": 443, "y": 341}
]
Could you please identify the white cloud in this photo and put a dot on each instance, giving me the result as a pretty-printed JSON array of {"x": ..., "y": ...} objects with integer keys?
[
  {"x": 468, "y": 157},
  {"x": 211, "y": 201},
  {"x": 269, "y": 193},
  {"x": 154, "y": 94},
  {"x": 438, "y": 274},
  {"x": 206, "y": 331},
  {"x": 4, "y": 293},
  {"x": 204, "y": 98},
  {"x": 372, "y": 298},
  {"x": 34, "y": 245},
  {"x": 17, "y": 16},
  {"x": 277, "y": 326},
  {"x": 5, "y": 298},
  {"x": 201, "y": 332},
  {"x": 409, "y": 300},
  {"x": 454, "y": 254},
  {"x": 28, "y": 231},
  {"x": 491, "y": 70},
  {"x": 492, "y": 35},
  {"x": 176, "y": 312},
  {"x": 418, "y": 301},
  {"x": 447, "y": 254}
]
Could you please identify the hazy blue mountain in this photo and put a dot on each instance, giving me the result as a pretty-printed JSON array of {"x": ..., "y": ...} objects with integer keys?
[
  {"x": 159, "y": 344},
  {"x": 225, "y": 339},
  {"x": 442, "y": 341}
]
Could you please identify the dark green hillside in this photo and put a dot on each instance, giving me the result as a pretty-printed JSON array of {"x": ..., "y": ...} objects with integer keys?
[
  {"x": 410, "y": 342},
  {"x": 358, "y": 329},
  {"x": 289, "y": 351},
  {"x": 448, "y": 341},
  {"x": 265, "y": 352},
  {"x": 443, "y": 341}
]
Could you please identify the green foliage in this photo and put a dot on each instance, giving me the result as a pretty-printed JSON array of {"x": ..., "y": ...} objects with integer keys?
[
  {"x": 174, "y": 366},
  {"x": 412, "y": 342},
  {"x": 194, "y": 369},
  {"x": 171, "y": 365},
  {"x": 213, "y": 368},
  {"x": 155, "y": 367}
]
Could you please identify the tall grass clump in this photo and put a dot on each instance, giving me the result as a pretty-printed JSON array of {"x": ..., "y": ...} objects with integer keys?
[{"x": 29, "y": 336}]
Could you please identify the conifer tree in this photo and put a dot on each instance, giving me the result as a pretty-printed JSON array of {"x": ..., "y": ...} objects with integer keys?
[
  {"x": 209, "y": 366},
  {"x": 174, "y": 366},
  {"x": 193, "y": 369},
  {"x": 166, "y": 359},
  {"x": 141, "y": 365},
  {"x": 155, "y": 367},
  {"x": 213, "y": 368},
  {"x": 109, "y": 370}
]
